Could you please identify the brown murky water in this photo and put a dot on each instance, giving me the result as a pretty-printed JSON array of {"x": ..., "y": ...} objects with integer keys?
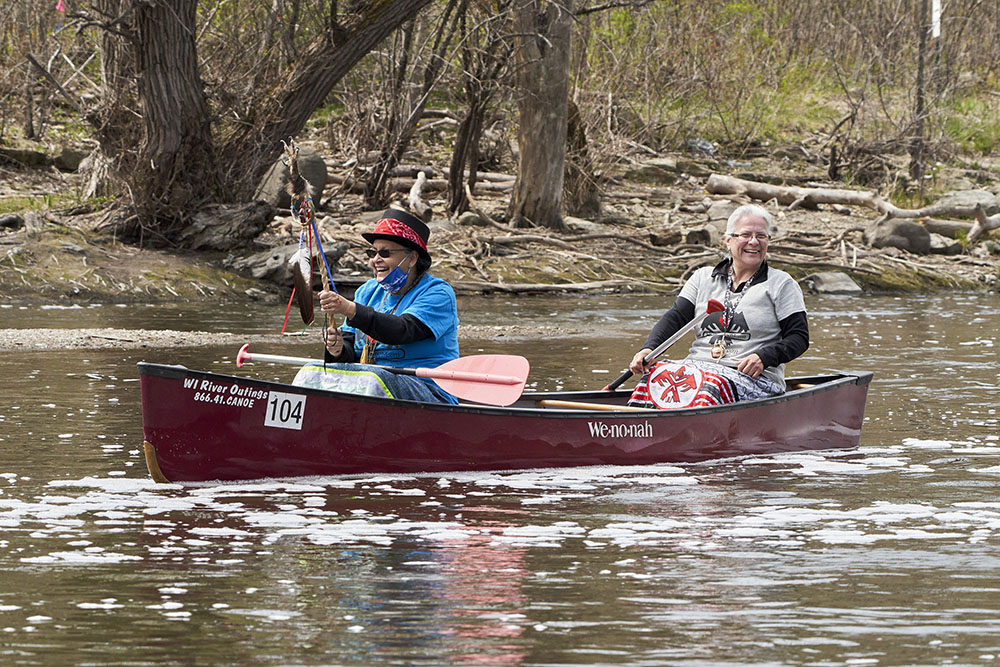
[{"x": 885, "y": 555}]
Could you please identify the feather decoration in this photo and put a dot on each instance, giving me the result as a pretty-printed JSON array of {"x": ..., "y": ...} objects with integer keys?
[
  {"x": 297, "y": 187},
  {"x": 302, "y": 280}
]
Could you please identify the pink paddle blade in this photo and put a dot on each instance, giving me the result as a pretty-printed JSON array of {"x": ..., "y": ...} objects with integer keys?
[{"x": 493, "y": 379}]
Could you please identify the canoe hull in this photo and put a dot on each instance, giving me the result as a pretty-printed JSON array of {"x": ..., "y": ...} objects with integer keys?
[{"x": 202, "y": 426}]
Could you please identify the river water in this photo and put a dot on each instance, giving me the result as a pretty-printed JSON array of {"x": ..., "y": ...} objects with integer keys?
[{"x": 884, "y": 555}]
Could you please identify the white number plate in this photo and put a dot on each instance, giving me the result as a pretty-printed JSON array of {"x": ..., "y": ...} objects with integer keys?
[{"x": 285, "y": 410}]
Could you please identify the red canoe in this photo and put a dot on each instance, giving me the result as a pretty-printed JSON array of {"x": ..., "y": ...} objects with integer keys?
[{"x": 200, "y": 426}]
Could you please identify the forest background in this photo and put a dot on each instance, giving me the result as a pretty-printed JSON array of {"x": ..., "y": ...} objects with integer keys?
[{"x": 182, "y": 106}]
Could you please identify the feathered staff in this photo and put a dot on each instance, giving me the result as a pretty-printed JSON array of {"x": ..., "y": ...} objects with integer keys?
[{"x": 300, "y": 191}]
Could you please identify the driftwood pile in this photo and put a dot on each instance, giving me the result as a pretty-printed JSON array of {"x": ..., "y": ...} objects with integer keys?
[
  {"x": 812, "y": 198},
  {"x": 477, "y": 252}
]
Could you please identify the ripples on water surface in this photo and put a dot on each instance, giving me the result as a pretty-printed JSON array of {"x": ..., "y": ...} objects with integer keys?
[{"x": 884, "y": 555}]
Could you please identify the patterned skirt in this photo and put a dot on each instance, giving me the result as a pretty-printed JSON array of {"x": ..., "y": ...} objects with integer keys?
[{"x": 696, "y": 384}]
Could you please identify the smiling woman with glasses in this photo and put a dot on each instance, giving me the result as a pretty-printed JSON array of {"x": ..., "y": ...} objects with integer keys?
[
  {"x": 740, "y": 353},
  {"x": 403, "y": 316}
]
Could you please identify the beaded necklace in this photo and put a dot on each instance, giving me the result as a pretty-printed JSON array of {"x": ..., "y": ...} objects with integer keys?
[
  {"x": 731, "y": 301},
  {"x": 368, "y": 351}
]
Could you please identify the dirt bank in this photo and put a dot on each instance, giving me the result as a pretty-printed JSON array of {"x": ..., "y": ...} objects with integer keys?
[
  {"x": 131, "y": 339},
  {"x": 649, "y": 237}
]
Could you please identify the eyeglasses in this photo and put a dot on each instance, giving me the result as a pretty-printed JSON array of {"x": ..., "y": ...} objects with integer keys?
[
  {"x": 746, "y": 236},
  {"x": 384, "y": 253}
]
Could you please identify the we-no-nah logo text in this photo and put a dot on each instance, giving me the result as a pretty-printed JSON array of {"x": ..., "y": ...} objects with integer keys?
[{"x": 622, "y": 430}]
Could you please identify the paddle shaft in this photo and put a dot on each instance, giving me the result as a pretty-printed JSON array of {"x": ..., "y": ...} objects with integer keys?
[
  {"x": 553, "y": 403},
  {"x": 432, "y": 373},
  {"x": 714, "y": 306}
]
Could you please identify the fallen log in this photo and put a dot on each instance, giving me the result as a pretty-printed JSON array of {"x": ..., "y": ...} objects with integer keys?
[
  {"x": 485, "y": 176},
  {"x": 475, "y": 285},
  {"x": 356, "y": 185},
  {"x": 799, "y": 197},
  {"x": 526, "y": 238},
  {"x": 415, "y": 199},
  {"x": 793, "y": 195},
  {"x": 950, "y": 228},
  {"x": 983, "y": 224}
]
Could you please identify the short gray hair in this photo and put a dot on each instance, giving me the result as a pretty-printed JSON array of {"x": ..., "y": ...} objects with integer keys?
[{"x": 748, "y": 210}]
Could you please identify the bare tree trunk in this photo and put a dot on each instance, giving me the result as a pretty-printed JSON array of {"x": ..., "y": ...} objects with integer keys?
[
  {"x": 483, "y": 65},
  {"x": 250, "y": 147},
  {"x": 117, "y": 132},
  {"x": 169, "y": 164},
  {"x": 583, "y": 198},
  {"x": 917, "y": 141},
  {"x": 542, "y": 60},
  {"x": 29, "y": 110},
  {"x": 465, "y": 152},
  {"x": 176, "y": 169},
  {"x": 406, "y": 115}
]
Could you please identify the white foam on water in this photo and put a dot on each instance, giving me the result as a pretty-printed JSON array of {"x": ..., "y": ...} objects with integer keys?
[
  {"x": 929, "y": 444},
  {"x": 983, "y": 342},
  {"x": 401, "y": 492},
  {"x": 295, "y": 509},
  {"x": 81, "y": 558},
  {"x": 266, "y": 614},
  {"x": 373, "y": 531},
  {"x": 539, "y": 536},
  {"x": 258, "y": 487},
  {"x": 114, "y": 485},
  {"x": 107, "y": 603},
  {"x": 278, "y": 519},
  {"x": 166, "y": 605},
  {"x": 221, "y": 532}
]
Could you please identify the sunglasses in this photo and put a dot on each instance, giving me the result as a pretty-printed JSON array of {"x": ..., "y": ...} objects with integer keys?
[{"x": 384, "y": 253}]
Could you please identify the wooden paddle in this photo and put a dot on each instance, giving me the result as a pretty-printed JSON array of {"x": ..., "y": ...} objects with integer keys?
[
  {"x": 493, "y": 379},
  {"x": 714, "y": 306}
]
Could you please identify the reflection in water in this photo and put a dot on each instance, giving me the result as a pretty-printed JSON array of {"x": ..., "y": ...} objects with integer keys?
[{"x": 883, "y": 555}]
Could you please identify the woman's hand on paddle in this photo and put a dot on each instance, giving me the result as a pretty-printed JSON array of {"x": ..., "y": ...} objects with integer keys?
[
  {"x": 751, "y": 365},
  {"x": 334, "y": 341},
  {"x": 334, "y": 304},
  {"x": 638, "y": 365}
]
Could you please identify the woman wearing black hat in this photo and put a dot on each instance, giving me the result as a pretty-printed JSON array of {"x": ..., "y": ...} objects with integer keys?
[{"x": 403, "y": 316}]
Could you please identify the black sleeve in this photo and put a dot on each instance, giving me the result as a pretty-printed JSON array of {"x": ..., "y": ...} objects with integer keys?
[
  {"x": 346, "y": 353},
  {"x": 679, "y": 314},
  {"x": 389, "y": 329},
  {"x": 794, "y": 341}
]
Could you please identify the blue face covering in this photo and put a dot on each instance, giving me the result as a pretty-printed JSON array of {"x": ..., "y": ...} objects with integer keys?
[{"x": 394, "y": 280}]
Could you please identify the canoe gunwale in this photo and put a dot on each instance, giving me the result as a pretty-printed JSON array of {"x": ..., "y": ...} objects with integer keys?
[{"x": 815, "y": 384}]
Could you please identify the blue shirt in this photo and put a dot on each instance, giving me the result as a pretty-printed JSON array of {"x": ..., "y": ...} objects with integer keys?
[{"x": 432, "y": 301}]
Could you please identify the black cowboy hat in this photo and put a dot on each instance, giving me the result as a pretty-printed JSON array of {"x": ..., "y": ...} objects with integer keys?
[{"x": 403, "y": 228}]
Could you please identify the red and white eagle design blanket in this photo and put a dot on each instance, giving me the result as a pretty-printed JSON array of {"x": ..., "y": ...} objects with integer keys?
[{"x": 682, "y": 384}]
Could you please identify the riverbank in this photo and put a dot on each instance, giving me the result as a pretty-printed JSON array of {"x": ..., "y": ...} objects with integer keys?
[
  {"x": 653, "y": 231},
  {"x": 41, "y": 339}
]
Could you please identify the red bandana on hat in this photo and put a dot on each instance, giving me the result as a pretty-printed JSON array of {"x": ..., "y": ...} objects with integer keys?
[{"x": 392, "y": 227}]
